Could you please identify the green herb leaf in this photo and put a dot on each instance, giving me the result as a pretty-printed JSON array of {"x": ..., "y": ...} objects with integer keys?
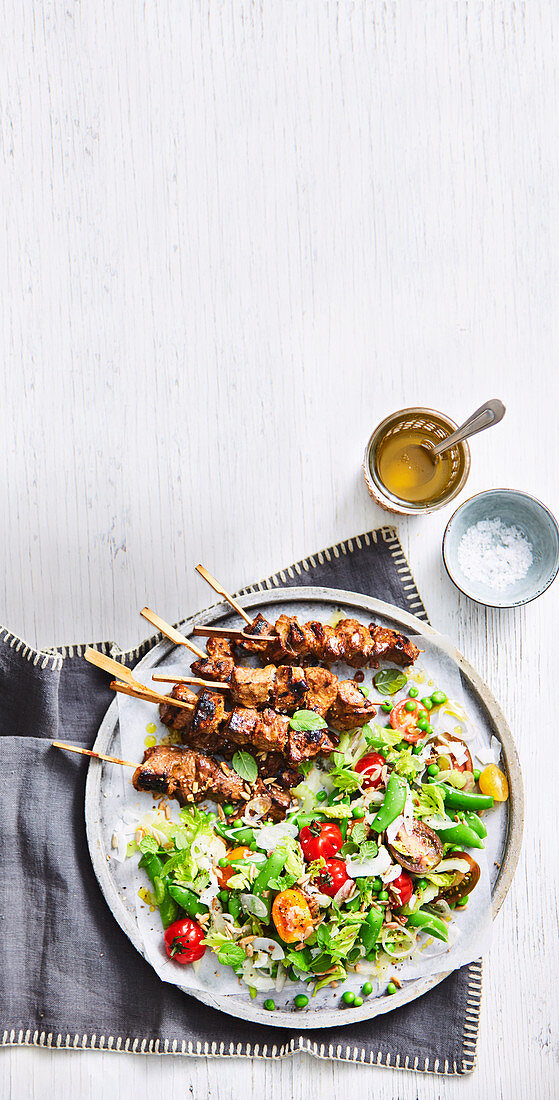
[
  {"x": 368, "y": 850},
  {"x": 345, "y": 779},
  {"x": 148, "y": 845},
  {"x": 305, "y": 767},
  {"x": 359, "y": 832},
  {"x": 304, "y": 720},
  {"x": 337, "y": 975},
  {"x": 245, "y": 765},
  {"x": 299, "y": 959},
  {"x": 389, "y": 680},
  {"x": 230, "y": 954}
]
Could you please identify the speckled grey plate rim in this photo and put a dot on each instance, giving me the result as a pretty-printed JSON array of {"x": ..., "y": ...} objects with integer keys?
[
  {"x": 243, "y": 1007},
  {"x": 476, "y": 599}
]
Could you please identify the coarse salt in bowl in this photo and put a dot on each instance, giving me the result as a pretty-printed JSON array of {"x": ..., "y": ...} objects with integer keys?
[{"x": 501, "y": 548}]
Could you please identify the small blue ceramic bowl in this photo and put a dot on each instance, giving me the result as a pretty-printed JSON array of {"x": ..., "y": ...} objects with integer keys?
[{"x": 536, "y": 523}]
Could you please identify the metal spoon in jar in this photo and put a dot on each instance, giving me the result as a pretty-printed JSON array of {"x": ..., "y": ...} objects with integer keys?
[{"x": 482, "y": 418}]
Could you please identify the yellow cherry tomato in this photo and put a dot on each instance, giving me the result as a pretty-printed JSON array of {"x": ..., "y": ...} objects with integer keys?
[
  {"x": 291, "y": 915},
  {"x": 493, "y": 782}
]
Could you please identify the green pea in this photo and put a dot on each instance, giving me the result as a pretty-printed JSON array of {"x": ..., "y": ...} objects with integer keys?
[
  {"x": 427, "y": 703},
  {"x": 413, "y": 692},
  {"x": 367, "y": 989},
  {"x": 411, "y": 705},
  {"x": 223, "y": 896},
  {"x": 433, "y": 770},
  {"x": 383, "y": 896},
  {"x": 438, "y": 698},
  {"x": 422, "y": 724},
  {"x": 358, "y": 1002},
  {"x": 269, "y": 1004},
  {"x": 238, "y": 824},
  {"x": 228, "y": 809},
  {"x": 421, "y": 883},
  {"x": 357, "y": 811},
  {"x": 386, "y": 707},
  {"x": 321, "y": 796},
  {"x": 348, "y": 997},
  {"x": 223, "y": 863},
  {"x": 391, "y": 988},
  {"x": 417, "y": 748},
  {"x": 301, "y": 1001},
  {"x": 377, "y": 885},
  {"x": 429, "y": 730},
  {"x": 477, "y": 773}
]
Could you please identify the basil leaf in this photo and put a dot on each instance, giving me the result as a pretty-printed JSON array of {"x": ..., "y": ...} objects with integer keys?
[
  {"x": 389, "y": 680},
  {"x": 304, "y": 720},
  {"x": 230, "y": 954},
  {"x": 245, "y": 765},
  {"x": 148, "y": 845}
]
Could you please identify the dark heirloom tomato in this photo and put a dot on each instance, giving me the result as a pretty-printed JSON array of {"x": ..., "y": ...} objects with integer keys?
[
  {"x": 401, "y": 890},
  {"x": 405, "y": 721},
  {"x": 465, "y": 881},
  {"x": 183, "y": 941},
  {"x": 320, "y": 838},
  {"x": 419, "y": 850},
  {"x": 332, "y": 877},
  {"x": 370, "y": 767}
]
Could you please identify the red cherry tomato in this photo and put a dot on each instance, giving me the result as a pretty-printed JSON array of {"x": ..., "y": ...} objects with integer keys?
[
  {"x": 370, "y": 767},
  {"x": 405, "y": 721},
  {"x": 332, "y": 877},
  {"x": 320, "y": 838},
  {"x": 183, "y": 941},
  {"x": 401, "y": 889}
]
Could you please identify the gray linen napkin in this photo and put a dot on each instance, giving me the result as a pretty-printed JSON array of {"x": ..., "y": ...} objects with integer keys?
[{"x": 69, "y": 976}]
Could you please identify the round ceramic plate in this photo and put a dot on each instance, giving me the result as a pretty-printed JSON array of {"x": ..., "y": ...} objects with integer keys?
[{"x": 104, "y": 785}]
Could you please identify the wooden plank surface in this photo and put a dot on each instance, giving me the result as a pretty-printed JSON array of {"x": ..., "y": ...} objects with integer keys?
[{"x": 234, "y": 236}]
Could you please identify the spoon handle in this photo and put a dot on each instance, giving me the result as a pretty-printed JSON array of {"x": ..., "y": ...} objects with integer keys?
[{"x": 482, "y": 418}]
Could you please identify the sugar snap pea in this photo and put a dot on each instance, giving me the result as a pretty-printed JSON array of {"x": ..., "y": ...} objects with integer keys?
[
  {"x": 428, "y": 922},
  {"x": 394, "y": 802},
  {"x": 464, "y": 800}
]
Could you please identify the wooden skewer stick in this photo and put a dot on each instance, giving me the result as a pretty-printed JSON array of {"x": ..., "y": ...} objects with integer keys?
[
  {"x": 109, "y": 665},
  {"x": 124, "y": 676},
  {"x": 234, "y": 635},
  {"x": 170, "y": 632},
  {"x": 95, "y": 755},
  {"x": 149, "y": 696},
  {"x": 209, "y": 684},
  {"x": 217, "y": 587}
]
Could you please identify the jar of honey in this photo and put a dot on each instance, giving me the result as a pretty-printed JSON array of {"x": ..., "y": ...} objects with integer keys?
[{"x": 401, "y": 475}]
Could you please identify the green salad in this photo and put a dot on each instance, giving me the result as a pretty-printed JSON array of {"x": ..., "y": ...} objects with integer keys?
[{"x": 364, "y": 872}]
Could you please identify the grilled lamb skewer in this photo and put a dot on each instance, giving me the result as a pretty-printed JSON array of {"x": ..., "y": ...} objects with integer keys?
[
  {"x": 192, "y": 777},
  {"x": 210, "y": 728},
  {"x": 289, "y": 688},
  {"x": 349, "y": 641}
]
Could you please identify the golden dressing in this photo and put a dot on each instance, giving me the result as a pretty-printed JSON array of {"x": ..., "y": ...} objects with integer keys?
[{"x": 408, "y": 471}]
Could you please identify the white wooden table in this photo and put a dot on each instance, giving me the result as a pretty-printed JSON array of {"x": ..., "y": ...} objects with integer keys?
[{"x": 234, "y": 236}]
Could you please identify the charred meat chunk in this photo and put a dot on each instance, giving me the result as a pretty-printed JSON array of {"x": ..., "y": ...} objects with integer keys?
[
  {"x": 389, "y": 645},
  {"x": 259, "y": 627},
  {"x": 178, "y": 718},
  {"x": 306, "y": 744},
  {"x": 266, "y": 732},
  {"x": 186, "y": 775},
  {"x": 272, "y": 765},
  {"x": 356, "y": 642},
  {"x": 273, "y": 801},
  {"x": 325, "y": 644},
  {"x": 351, "y": 708},
  {"x": 251, "y": 687},
  {"x": 322, "y": 689},
  {"x": 290, "y": 688},
  {"x": 204, "y": 730}
]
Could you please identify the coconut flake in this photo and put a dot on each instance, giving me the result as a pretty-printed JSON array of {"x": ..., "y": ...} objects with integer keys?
[
  {"x": 269, "y": 836},
  {"x": 212, "y": 889},
  {"x": 365, "y": 868},
  {"x": 275, "y": 950},
  {"x": 391, "y": 874}
]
